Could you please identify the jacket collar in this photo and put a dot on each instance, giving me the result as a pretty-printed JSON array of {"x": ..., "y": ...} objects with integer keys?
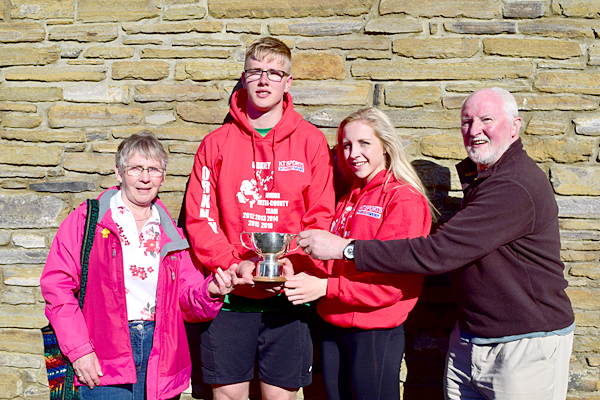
[
  {"x": 467, "y": 169},
  {"x": 176, "y": 242}
]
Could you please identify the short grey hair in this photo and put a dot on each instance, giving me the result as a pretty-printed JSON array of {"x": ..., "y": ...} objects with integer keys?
[{"x": 144, "y": 143}]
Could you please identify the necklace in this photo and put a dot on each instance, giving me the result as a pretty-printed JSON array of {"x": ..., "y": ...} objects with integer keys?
[{"x": 143, "y": 219}]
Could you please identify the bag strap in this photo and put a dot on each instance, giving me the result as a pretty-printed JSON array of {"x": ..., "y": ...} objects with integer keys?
[{"x": 91, "y": 220}]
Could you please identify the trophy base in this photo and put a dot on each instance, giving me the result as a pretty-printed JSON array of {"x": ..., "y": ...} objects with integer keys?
[{"x": 269, "y": 279}]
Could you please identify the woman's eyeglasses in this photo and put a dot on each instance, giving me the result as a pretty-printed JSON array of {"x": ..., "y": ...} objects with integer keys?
[{"x": 138, "y": 170}]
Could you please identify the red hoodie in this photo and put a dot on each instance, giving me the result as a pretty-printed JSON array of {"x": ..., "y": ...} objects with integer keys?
[
  {"x": 376, "y": 300},
  {"x": 244, "y": 182}
]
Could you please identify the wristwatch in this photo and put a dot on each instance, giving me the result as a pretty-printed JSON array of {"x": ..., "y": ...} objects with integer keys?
[{"x": 349, "y": 251}]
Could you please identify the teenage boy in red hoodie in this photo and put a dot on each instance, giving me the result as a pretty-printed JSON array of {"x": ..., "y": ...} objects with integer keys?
[{"x": 266, "y": 170}]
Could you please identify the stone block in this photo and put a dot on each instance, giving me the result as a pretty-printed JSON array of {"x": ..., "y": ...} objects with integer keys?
[
  {"x": 587, "y": 318},
  {"x": 11, "y": 384},
  {"x": 594, "y": 55},
  {"x": 42, "y": 9},
  {"x": 145, "y": 93},
  {"x": 481, "y": 27},
  {"x": 588, "y": 125},
  {"x": 160, "y": 118},
  {"x": 566, "y": 150},
  {"x": 13, "y": 120},
  {"x": 25, "y": 55},
  {"x": 185, "y": 148},
  {"x": 591, "y": 271},
  {"x": 393, "y": 25},
  {"x": 91, "y": 163},
  {"x": 128, "y": 10},
  {"x": 105, "y": 147},
  {"x": 109, "y": 52},
  {"x": 420, "y": 118},
  {"x": 172, "y": 27},
  {"x": 191, "y": 11},
  {"x": 576, "y": 8},
  {"x": 207, "y": 41},
  {"x": 9, "y": 171},
  {"x": 63, "y": 187},
  {"x": 84, "y": 33},
  {"x": 436, "y": 47},
  {"x": 142, "y": 41},
  {"x": 329, "y": 93},
  {"x": 568, "y": 82},
  {"x": 369, "y": 55},
  {"x": 43, "y": 136},
  {"x": 32, "y": 94},
  {"x": 21, "y": 340},
  {"x": 559, "y": 28},
  {"x": 318, "y": 66},
  {"x": 449, "y": 146},
  {"x": 191, "y": 133},
  {"x": 175, "y": 183},
  {"x": 20, "y": 360},
  {"x": 55, "y": 74},
  {"x": 422, "y": 70},
  {"x": 581, "y": 246},
  {"x": 22, "y": 316},
  {"x": 18, "y": 295},
  {"x": 330, "y": 28},
  {"x": 584, "y": 298},
  {"x": 180, "y": 165},
  {"x": 575, "y": 207},
  {"x": 482, "y": 9},
  {"x": 525, "y": 9},
  {"x": 244, "y": 27},
  {"x": 15, "y": 154},
  {"x": 108, "y": 181},
  {"x": 29, "y": 108},
  {"x": 202, "y": 114},
  {"x": 367, "y": 43},
  {"x": 538, "y": 48},
  {"x": 512, "y": 85},
  {"x": 146, "y": 70},
  {"x": 207, "y": 70},
  {"x": 96, "y": 94},
  {"x": 399, "y": 95},
  {"x": 29, "y": 240},
  {"x": 579, "y": 224},
  {"x": 84, "y": 116},
  {"x": 4, "y": 238},
  {"x": 543, "y": 102},
  {"x": 15, "y": 32},
  {"x": 287, "y": 8},
  {"x": 21, "y": 256},
  {"x": 575, "y": 180},
  {"x": 548, "y": 124},
  {"x": 207, "y": 52}
]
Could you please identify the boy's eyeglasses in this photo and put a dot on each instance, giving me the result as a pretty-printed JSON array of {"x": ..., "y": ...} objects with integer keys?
[
  {"x": 138, "y": 170},
  {"x": 274, "y": 75}
]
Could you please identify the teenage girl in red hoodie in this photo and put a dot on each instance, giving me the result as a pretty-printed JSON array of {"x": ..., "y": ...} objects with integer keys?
[{"x": 363, "y": 340}]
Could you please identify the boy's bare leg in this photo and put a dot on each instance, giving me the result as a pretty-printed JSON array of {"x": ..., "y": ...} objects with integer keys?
[
  {"x": 270, "y": 392},
  {"x": 234, "y": 391}
]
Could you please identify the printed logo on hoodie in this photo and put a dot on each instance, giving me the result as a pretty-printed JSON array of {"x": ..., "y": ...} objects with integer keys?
[
  {"x": 291, "y": 165},
  {"x": 370, "y": 211}
]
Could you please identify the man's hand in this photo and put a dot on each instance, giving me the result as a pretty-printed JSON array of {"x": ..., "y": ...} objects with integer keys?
[
  {"x": 322, "y": 245},
  {"x": 302, "y": 288},
  {"x": 87, "y": 369}
]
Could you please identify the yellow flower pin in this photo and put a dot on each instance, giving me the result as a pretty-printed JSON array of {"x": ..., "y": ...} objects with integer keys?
[{"x": 105, "y": 233}]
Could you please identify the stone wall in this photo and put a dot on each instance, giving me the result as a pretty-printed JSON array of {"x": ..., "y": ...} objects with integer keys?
[{"x": 78, "y": 76}]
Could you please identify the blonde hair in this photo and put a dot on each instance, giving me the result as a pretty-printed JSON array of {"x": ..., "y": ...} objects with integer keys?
[
  {"x": 268, "y": 49},
  {"x": 396, "y": 161}
]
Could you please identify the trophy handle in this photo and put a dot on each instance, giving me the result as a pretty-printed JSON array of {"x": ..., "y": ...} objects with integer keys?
[
  {"x": 244, "y": 243},
  {"x": 292, "y": 236}
]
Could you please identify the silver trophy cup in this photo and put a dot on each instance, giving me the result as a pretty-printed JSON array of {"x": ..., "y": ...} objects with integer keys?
[{"x": 269, "y": 246}]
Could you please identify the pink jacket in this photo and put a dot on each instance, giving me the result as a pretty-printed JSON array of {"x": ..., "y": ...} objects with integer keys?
[{"x": 102, "y": 326}]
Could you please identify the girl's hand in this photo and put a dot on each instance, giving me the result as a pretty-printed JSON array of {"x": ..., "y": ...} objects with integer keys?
[{"x": 303, "y": 288}]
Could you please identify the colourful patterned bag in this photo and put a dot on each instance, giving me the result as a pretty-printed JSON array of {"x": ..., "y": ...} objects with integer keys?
[{"x": 61, "y": 376}]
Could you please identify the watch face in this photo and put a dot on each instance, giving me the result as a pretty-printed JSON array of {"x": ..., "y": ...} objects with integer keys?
[{"x": 349, "y": 251}]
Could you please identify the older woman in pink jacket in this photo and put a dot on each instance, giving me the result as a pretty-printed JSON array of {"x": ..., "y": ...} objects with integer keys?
[{"x": 129, "y": 342}]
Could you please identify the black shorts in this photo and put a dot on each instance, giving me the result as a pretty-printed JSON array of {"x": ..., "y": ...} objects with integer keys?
[{"x": 280, "y": 341}]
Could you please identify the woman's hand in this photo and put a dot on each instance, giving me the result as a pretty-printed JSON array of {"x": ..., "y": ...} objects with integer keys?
[
  {"x": 303, "y": 288},
  {"x": 87, "y": 369},
  {"x": 322, "y": 245}
]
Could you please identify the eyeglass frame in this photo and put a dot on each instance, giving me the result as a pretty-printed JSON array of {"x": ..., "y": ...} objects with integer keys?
[
  {"x": 266, "y": 71},
  {"x": 127, "y": 168}
]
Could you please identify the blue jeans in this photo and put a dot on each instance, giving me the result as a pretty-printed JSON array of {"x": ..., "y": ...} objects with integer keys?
[{"x": 141, "y": 334}]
